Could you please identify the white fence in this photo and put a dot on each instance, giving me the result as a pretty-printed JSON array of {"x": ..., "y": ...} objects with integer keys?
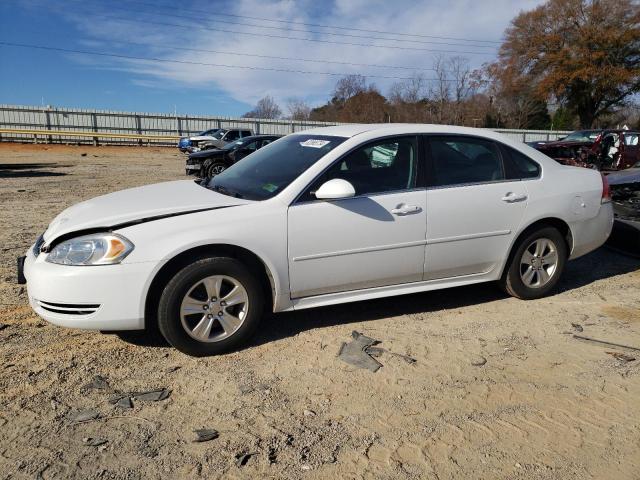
[{"x": 160, "y": 124}]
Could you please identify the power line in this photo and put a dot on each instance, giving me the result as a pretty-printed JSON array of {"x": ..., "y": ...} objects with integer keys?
[
  {"x": 273, "y": 57},
  {"x": 320, "y": 25},
  {"x": 316, "y": 40},
  {"x": 175, "y": 15},
  {"x": 186, "y": 62}
]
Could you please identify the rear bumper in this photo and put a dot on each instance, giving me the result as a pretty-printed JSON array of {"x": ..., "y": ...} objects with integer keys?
[
  {"x": 592, "y": 233},
  {"x": 107, "y": 297}
]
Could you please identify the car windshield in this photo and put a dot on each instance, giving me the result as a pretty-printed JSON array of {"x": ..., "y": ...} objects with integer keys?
[
  {"x": 582, "y": 136},
  {"x": 207, "y": 133},
  {"x": 269, "y": 170},
  {"x": 219, "y": 134},
  {"x": 234, "y": 145}
]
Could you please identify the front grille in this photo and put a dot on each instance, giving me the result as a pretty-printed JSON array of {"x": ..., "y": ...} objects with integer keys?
[
  {"x": 38, "y": 245},
  {"x": 69, "y": 308}
]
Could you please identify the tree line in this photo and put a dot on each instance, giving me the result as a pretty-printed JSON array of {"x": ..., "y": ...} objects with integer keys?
[{"x": 565, "y": 64}]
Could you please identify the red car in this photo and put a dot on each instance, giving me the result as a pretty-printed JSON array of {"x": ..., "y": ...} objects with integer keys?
[{"x": 599, "y": 149}]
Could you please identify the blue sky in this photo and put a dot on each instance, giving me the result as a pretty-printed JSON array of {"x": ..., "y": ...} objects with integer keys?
[{"x": 138, "y": 29}]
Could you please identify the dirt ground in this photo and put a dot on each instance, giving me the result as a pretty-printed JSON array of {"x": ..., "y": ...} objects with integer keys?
[{"x": 544, "y": 405}]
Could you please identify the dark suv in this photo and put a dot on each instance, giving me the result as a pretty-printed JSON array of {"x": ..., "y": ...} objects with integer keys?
[{"x": 209, "y": 163}]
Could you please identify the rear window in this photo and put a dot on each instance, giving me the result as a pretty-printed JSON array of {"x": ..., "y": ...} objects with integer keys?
[{"x": 518, "y": 166}]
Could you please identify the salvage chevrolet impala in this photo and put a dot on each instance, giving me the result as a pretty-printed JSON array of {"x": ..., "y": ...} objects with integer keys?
[{"x": 321, "y": 217}]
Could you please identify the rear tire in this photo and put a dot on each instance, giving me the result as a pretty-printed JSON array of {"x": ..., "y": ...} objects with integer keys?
[
  {"x": 536, "y": 264},
  {"x": 210, "y": 307}
]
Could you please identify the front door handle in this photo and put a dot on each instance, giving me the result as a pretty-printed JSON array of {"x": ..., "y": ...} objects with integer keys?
[
  {"x": 514, "y": 197},
  {"x": 404, "y": 209}
]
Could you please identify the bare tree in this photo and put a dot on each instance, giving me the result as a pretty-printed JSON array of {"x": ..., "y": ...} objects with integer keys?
[
  {"x": 460, "y": 74},
  {"x": 348, "y": 87},
  {"x": 265, "y": 108},
  {"x": 298, "y": 109},
  {"x": 441, "y": 89}
]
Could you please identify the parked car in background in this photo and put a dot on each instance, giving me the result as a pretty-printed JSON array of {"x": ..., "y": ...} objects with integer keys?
[
  {"x": 221, "y": 138},
  {"x": 625, "y": 193},
  {"x": 598, "y": 149},
  {"x": 211, "y": 162},
  {"x": 185, "y": 144},
  {"x": 319, "y": 217}
]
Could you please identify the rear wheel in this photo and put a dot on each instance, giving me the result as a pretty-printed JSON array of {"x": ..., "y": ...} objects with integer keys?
[
  {"x": 211, "y": 306},
  {"x": 536, "y": 265}
]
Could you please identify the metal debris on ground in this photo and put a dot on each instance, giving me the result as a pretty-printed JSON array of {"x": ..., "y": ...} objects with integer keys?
[
  {"x": 125, "y": 400},
  {"x": 243, "y": 458},
  {"x": 83, "y": 415},
  {"x": 94, "y": 441},
  {"x": 152, "y": 395},
  {"x": 621, "y": 356},
  {"x": 205, "y": 434},
  {"x": 378, "y": 351},
  {"x": 604, "y": 342},
  {"x": 97, "y": 383},
  {"x": 354, "y": 352},
  {"x": 124, "y": 403},
  {"x": 577, "y": 327}
]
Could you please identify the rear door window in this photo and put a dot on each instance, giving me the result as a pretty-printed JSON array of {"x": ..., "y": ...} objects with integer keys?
[
  {"x": 460, "y": 160},
  {"x": 517, "y": 165}
]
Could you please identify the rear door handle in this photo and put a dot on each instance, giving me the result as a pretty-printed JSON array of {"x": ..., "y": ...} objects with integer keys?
[
  {"x": 514, "y": 197},
  {"x": 404, "y": 209}
]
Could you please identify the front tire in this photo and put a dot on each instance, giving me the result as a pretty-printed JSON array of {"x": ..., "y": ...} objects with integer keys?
[
  {"x": 210, "y": 307},
  {"x": 216, "y": 168},
  {"x": 536, "y": 264}
]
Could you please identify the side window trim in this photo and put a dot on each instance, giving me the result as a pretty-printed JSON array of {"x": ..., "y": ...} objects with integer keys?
[{"x": 420, "y": 165}]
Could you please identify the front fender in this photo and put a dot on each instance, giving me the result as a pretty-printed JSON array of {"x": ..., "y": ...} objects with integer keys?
[{"x": 260, "y": 229}]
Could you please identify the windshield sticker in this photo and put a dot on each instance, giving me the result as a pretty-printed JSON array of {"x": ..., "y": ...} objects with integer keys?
[
  {"x": 314, "y": 143},
  {"x": 270, "y": 187}
]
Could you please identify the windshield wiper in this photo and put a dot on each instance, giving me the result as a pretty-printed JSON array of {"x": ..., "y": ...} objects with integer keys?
[{"x": 226, "y": 191}]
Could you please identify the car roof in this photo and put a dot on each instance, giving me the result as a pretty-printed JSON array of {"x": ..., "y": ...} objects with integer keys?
[{"x": 351, "y": 130}]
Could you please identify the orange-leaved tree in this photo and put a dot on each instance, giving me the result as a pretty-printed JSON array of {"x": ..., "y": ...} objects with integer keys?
[{"x": 585, "y": 54}]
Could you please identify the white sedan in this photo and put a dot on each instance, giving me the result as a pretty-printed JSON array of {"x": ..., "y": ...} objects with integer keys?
[{"x": 321, "y": 217}]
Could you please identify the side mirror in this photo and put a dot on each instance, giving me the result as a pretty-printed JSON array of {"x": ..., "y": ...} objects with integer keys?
[{"x": 335, "y": 189}]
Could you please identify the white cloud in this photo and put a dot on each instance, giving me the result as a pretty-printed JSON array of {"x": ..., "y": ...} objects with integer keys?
[{"x": 460, "y": 19}]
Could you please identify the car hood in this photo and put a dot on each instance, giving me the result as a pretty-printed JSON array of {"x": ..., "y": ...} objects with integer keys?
[
  {"x": 563, "y": 143},
  {"x": 134, "y": 205},
  {"x": 630, "y": 175},
  {"x": 200, "y": 138},
  {"x": 212, "y": 152}
]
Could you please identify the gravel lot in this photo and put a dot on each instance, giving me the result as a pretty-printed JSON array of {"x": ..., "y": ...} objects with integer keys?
[{"x": 544, "y": 405}]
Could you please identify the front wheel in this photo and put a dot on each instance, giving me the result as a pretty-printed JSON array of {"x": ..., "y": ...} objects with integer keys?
[
  {"x": 536, "y": 265},
  {"x": 216, "y": 168},
  {"x": 211, "y": 306}
]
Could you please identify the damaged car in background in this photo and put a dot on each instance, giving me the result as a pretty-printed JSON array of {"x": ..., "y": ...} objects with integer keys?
[
  {"x": 596, "y": 149},
  {"x": 211, "y": 162},
  {"x": 625, "y": 198},
  {"x": 185, "y": 144},
  {"x": 214, "y": 138}
]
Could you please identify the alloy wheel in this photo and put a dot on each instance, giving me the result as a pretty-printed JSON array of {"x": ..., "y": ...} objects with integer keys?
[
  {"x": 538, "y": 263},
  {"x": 214, "y": 308}
]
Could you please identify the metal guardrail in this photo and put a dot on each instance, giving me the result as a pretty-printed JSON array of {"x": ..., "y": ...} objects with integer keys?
[
  {"x": 69, "y": 125},
  {"x": 94, "y": 135}
]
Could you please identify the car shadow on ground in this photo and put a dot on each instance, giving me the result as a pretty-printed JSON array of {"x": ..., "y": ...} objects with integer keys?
[
  {"x": 600, "y": 264},
  {"x": 23, "y": 170}
]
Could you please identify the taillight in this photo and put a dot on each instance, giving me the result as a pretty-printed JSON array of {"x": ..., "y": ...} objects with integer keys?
[{"x": 606, "y": 190}]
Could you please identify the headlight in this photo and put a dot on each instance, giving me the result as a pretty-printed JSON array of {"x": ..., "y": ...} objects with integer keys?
[{"x": 95, "y": 249}]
